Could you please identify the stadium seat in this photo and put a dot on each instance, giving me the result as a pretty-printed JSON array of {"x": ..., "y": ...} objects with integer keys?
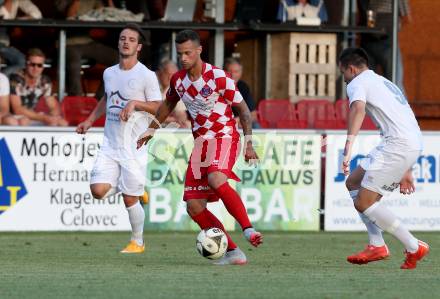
[
  {"x": 277, "y": 113},
  {"x": 76, "y": 109},
  {"x": 41, "y": 106},
  {"x": 342, "y": 109},
  {"x": 318, "y": 114}
]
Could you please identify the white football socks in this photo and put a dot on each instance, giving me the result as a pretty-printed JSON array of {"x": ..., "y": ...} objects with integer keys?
[
  {"x": 374, "y": 232},
  {"x": 386, "y": 220},
  {"x": 136, "y": 215}
]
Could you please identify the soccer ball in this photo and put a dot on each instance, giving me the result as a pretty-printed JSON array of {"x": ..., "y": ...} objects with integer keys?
[{"x": 212, "y": 243}]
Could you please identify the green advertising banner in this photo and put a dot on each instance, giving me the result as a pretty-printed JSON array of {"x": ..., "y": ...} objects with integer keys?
[{"x": 281, "y": 193}]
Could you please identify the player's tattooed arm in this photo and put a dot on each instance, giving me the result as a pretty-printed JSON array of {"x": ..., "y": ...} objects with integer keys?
[
  {"x": 162, "y": 113},
  {"x": 355, "y": 119},
  {"x": 246, "y": 123}
]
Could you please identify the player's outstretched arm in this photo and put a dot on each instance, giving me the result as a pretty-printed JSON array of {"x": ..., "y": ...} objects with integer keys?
[
  {"x": 165, "y": 109},
  {"x": 355, "y": 119},
  {"x": 246, "y": 123},
  {"x": 96, "y": 113}
]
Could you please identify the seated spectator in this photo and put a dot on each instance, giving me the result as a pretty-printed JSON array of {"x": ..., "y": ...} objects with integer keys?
[
  {"x": 179, "y": 115},
  {"x": 12, "y": 57},
  {"x": 235, "y": 69},
  {"x": 27, "y": 89},
  {"x": 81, "y": 47},
  {"x": 4, "y": 98},
  {"x": 290, "y": 10}
]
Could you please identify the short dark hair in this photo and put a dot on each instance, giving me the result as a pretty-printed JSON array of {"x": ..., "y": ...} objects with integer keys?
[
  {"x": 35, "y": 52},
  {"x": 138, "y": 29},
  {"x": 353, "y": 56},
  {"x": 231, "y": 60},
  {"x": 186, "y": 35}
]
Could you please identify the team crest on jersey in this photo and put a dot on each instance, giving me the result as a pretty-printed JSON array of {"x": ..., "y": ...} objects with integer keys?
[
  {"x": 206, "y": 91},
  {"x": 181, "y": 90}
]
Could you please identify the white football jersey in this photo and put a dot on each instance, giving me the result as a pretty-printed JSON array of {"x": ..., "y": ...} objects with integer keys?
[
  {"x": 4, "y": 85},
  {"x": 121, "y": 86},
  {"x": 387, "y": 107}
]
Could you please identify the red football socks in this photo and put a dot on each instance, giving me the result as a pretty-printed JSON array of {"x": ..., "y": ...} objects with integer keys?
[{"x": 233, "y": 204}]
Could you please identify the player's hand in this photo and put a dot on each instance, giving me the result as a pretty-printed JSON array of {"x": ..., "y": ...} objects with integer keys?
[
  {"x": 127, "y": 111},
  {"x": 345, "y": 167},
  {"x": 250, "y": 156},
  {"x": 407, "y": 184},
  {"x": 145, "y": 137},
  {"x": 83, "y": 127}
]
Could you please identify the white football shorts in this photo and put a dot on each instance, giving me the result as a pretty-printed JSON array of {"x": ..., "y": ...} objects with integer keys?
[
  {"x": 127, "y": 174},
  {"x": 385, "y": 166}
]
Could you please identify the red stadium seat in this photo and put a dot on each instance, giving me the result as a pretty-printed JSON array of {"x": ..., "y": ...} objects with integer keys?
[
  {"x": 41, "y": 106},
  {"x": 342, "y": 109},
  {"x": 318, "y": 114},
  {"x": 76, "y": 109},
  {"x": 272, "y": 112}
]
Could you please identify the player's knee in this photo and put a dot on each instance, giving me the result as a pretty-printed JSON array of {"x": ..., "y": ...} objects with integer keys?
[
  {"x": 215, "y": 180},
  {"x": 359, "y": 206},
  {"x": 351, "y": 184},
  {"x": 193, "y": 209},
  {"x": 97, "y": 192}
]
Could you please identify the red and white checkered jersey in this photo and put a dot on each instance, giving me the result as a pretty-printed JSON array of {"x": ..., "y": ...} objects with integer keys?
[{"x": 208, "y": 100}]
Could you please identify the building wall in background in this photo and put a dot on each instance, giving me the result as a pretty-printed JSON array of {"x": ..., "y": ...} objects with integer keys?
[{"x": 420, "y": 45}]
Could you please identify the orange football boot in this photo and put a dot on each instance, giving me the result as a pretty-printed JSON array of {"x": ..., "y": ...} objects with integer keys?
[
  {"x": 412, "y": 258},
  {"x": 369, "y": 254}
]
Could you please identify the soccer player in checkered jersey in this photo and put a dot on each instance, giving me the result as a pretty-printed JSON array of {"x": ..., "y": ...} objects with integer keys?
[
  {"x": 389, "y": 165},
  {"x": 209, "y": 94}
]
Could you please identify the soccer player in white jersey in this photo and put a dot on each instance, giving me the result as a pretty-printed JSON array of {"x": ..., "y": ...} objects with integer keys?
[
  {"x": 389, "y": 165},
  {"x": 131, "y": 91},
  {"x": 209, "y": 94}
]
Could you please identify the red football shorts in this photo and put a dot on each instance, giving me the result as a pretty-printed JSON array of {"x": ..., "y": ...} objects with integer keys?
[{"x": 209, "y": 155}]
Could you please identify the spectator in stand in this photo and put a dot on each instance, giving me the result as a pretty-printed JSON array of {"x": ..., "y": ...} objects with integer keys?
[
  {"x": 290, "y": 10},
  {"x": 4, "y": 97},
  {"x": 235, "y": 69},
  {"x": 80, "y": 46},
  {"x": 27, "y": 89},
  {"x": 12, "y": 57},
  {"x": 166, "y": 70}
]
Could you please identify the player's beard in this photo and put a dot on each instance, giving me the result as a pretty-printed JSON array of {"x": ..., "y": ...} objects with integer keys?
[{"x": 125, "y": 56}]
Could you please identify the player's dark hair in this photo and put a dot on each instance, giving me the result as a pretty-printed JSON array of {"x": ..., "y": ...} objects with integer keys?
[
  {"x": 138, "y": 29},
  {"x": 353, "y": 56},
  {"x": 186, "y": 35}
]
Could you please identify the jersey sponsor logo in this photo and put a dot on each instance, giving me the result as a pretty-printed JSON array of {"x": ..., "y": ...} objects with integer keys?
[
  {"x": 206, "y": 91},
  {"x": 12, "y": 188},
  {"x": 390, "y": 188},
  {"x": 117, "y": 100},
  {"x": 181, "y": 90}
]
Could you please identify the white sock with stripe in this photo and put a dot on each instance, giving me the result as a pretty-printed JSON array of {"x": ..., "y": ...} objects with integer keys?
[
  {"x": 386, "y": 220},
  {"x": 374, "y": 232},
  {"x": 136, "y": 215}
]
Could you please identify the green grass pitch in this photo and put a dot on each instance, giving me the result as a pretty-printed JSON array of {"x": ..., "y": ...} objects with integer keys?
[{"x": 288, "y": 265}]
